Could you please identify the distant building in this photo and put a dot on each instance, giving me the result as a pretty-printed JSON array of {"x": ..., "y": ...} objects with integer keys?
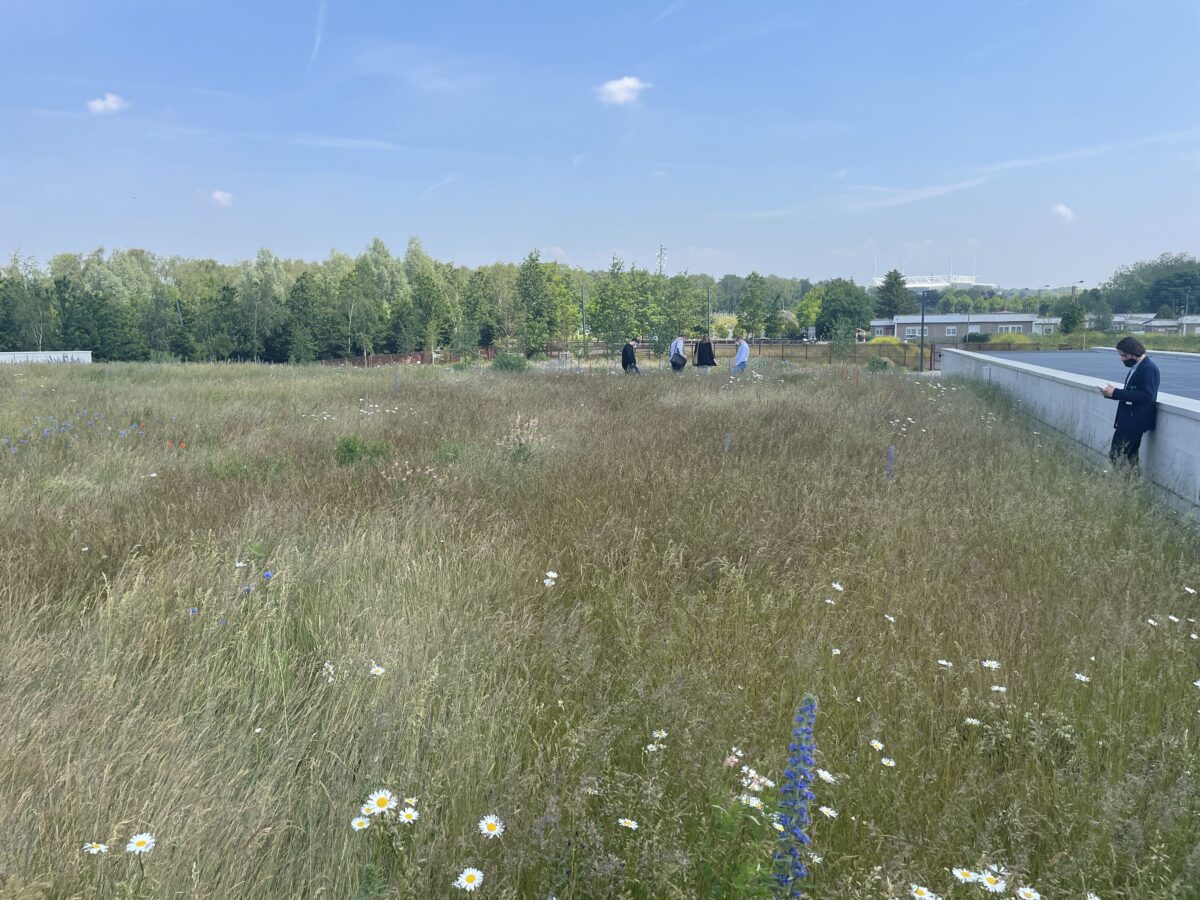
[
  {"x": 952, "y": 328},
  {"x": 1047, "y": 324},
  {"x": 1162, "y": 326},
  {"x": 920, "y": 283},
  {"x": 1189, "y": 324},
  {"x": 1134, "y": 323}
]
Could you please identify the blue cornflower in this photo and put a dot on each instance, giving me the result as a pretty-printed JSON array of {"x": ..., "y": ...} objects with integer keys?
[
  {"x": 247, "y": 588},
  {"x": 794, "y": 797},
  {"x": 193, "y": 611},
  {"x": 45, "y": 432},
  {"x": 268, "y": 575}
]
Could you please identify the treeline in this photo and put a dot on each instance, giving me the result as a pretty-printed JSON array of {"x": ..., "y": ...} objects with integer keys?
[{"x": 134, "y": 305}]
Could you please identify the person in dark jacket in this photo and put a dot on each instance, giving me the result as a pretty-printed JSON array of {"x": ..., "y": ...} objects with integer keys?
[
  {"x": 629, "y": 357},
  {"x": 1135, "y": 401},
  {"x": 704, "y": 357}
]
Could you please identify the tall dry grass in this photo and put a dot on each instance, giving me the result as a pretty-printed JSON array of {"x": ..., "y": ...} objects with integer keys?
[{"x": 146, "y": 690}]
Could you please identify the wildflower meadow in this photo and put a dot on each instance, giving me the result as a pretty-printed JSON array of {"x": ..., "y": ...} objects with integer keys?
[{"x": 273, "y": 631}]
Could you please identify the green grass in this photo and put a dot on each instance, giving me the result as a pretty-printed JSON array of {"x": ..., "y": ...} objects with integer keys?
[{"x": 691, "y": 596}]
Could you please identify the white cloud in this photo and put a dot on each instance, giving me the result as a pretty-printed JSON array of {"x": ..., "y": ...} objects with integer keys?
[
  {"x": 621, "y": 91},
  {"x": 1063, "y": 211},
  {"x": 109, "y": 103},
  {"x": 555, "y": 253},
  {"x": 221, "y": 198}
]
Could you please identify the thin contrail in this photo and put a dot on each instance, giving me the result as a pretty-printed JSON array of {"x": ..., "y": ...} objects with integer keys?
[{"x": 316, "y": 47}]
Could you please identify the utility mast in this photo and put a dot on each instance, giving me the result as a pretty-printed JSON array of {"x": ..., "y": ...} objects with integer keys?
[{"x": 662, "y": 258}]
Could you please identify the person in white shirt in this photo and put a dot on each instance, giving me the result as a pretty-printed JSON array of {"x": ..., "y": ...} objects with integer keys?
[
  {"x": 677, "y": 353},
  {"x": 742, "y": 358}
]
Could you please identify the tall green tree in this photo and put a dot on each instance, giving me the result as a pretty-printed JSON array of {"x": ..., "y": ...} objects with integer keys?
[
  {"x": 893, "y": 298},
  {"x": 752, "y": 306},
  {"x": 843, "y": 299},
  {"x": 613, "y": 315}
]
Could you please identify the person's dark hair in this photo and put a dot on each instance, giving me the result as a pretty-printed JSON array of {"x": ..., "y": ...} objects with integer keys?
[
  {"x": 1132, "y": 346},
  {"x": 705, "y": 340}
]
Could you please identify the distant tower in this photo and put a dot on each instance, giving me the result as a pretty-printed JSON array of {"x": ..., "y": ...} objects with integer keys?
[{"x": 662, "y": 258}]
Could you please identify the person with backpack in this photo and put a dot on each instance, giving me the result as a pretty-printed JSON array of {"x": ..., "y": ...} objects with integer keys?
[
  {"x": 676, "y": 354},
  {"x": 629, "y": 357}
]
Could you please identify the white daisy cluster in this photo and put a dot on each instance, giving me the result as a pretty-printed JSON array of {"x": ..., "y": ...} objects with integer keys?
[
  {"x": 385, "y": 805},
  {"x": 753, "y": 781},
  {"x": 139, "y": 845},
  {"x": 550, "y": 579},
  {"x": 658, "y": 735}
]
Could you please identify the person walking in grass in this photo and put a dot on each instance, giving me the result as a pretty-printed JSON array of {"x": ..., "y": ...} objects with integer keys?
[
  {"x": 676, "y": 354},
  {"x": 704, "y": 357},
  {"x": 742, "y": 358},
  {"x": 629, "y": 357},
  {"x": 1136, "y": 401}
]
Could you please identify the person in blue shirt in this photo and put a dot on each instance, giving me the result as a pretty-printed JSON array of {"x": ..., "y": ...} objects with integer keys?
[
  {"x": 1136, "y": 401},
  {"x": 676, "y": 354},
  {"x": 742, "y": 358}
]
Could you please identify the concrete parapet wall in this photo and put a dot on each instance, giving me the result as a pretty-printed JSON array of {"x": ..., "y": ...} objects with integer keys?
[{"x": 1072, "y": 405}]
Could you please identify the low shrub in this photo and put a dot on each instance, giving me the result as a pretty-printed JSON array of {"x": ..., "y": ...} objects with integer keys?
[
  {"x": 510, "y": 362},
  {"x": 885, "y": 339},
  {"x": 354, "y": 449},
  {"x": 880, "y": 364}
]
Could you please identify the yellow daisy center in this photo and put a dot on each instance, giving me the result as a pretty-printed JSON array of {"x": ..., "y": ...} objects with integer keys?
[
  {"x": 470, "y": 879},
  {"x": 491, "y": 826},
  {"x": 141, "y": 843},
  {"x": 382, "y": 803}
]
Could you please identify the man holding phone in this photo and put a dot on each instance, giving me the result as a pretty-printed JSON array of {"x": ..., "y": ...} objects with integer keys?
[{"x": 1135, "y": 401}]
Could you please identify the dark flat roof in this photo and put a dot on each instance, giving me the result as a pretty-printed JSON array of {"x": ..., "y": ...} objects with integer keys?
[{"x": 1180, "y": 374}]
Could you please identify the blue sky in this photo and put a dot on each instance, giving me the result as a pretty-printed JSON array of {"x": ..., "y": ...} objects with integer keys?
[{"x": 1048, "y": 140}]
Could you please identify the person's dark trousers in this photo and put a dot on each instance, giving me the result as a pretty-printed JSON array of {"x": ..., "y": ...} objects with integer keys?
[
  {"x": 631, "y": 369},
  {"x": 1125, "y": 446}
]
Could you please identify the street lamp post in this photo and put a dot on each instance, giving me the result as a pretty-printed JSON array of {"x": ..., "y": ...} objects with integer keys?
[{"x": 921, "y": 361}]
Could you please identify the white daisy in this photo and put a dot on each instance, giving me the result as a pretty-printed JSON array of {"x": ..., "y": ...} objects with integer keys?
[
  {"x": 837, "y": 586},
  {"x": 890, "y": 763},
  {"x": 828, "y": 812},
  {"x": 628, "y": 823},
  {"x": 1151, "y": 622},
  {"x": 837, "y": 652},
  {"x": 377, "y": 670},
  {"x": 551, "y": 574},
  {"x": 990, "y": 664},
  {"x": 974, "y": 723},
  {"x": 381, "y": 801},
  {"x": 1079, "y": 676},
  {"x": 1174, "y": 619},
  {"x": 491, "y": 826},
  {"x": 1089, "y": 895},
  {"x": 359, "y": 823},
  {"x": 1190, "y": 590},
  {"x": 140, "y": 843},
  {"x": 658, "y": 734},
  {"x": 923, "y": 892},
  {"x": 408, "y": 815},
  {"x": 468, "y": 879},
  {"x": 826, "y": 776},
  {"x": 992, "y": 882},
  {"x": 876, "y": 744},
  {"x": 750, "y": 800},
  {"x": 1196, "y": 683},
  {"x": 95, "y": 848},
  {"x": 999, "y": 689},
  {"x": 889, "y": 618},
  {"x": 410, "y": 801},
  {"x": 1028, "y": 893},
  {"x": 966, "y": 876},
  {"x": 548, "y": 582},
  {"x": 945, "y": 664}
]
